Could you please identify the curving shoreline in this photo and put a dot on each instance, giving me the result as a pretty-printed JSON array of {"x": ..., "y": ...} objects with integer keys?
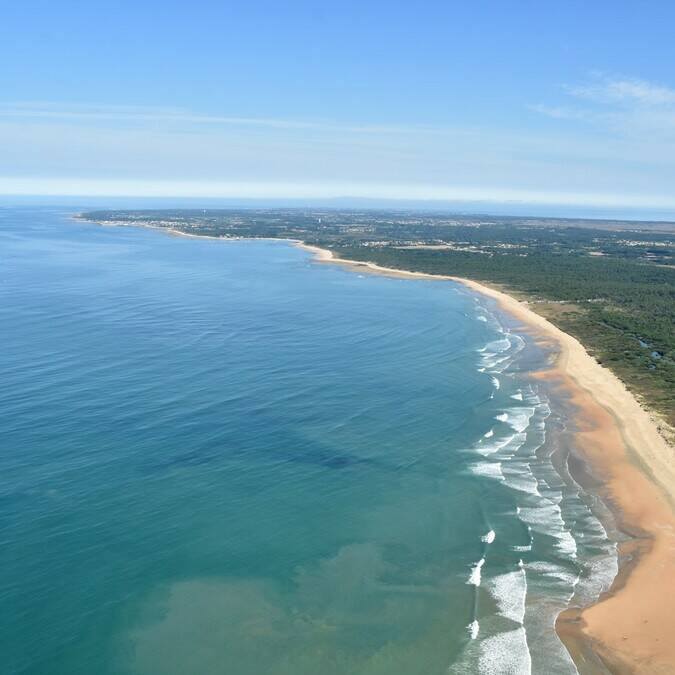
[{"x": 630, "y": 629}]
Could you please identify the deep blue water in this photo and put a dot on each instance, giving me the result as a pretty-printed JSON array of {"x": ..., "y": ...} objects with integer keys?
[{"x": 222, "y": 457}]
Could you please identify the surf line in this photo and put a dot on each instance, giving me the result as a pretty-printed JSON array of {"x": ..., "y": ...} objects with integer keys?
[{"x": 475, "y": 579}]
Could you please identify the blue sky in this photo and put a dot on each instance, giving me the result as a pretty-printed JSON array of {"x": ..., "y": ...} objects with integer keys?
[{"x": 566, "y": 103}]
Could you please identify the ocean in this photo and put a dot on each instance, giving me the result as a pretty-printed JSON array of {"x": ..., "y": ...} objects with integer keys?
[{"x": 224, "y": 458}]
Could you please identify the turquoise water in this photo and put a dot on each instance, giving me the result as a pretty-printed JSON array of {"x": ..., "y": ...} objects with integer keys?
[{"x": 221, "y": 457}]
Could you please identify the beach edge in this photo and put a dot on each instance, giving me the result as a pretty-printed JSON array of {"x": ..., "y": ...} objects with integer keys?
[{"x": 627, "y": 629}]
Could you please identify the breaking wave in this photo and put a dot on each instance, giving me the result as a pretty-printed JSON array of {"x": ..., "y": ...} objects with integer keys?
[{"x": 564, "y": 553}]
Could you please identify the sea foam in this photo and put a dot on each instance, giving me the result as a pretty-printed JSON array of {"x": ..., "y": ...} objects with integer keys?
[
  {"x": 489, "y": 537},
  {"x": 510, "y": 591},
  {"x": 487, "y": 469},
  {"x": 474, "y": 577},
  {"x": 505, "y": 654}
]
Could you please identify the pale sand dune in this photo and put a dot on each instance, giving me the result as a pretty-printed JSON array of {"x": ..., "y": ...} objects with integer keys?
[{"x": 632, "y": 628}]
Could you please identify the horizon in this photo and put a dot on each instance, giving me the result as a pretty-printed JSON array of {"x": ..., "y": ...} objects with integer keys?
[
  {"x": 489, "y": 105},
  {"x": 456, "y": 208}
]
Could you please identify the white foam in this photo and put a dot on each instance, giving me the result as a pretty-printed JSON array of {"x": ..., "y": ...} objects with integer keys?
[
  {"x": 542, "y": 517},
  {"x": 566, "y": 543},
  {"x": 474, "y": 577},
  {"x": 519, "y": 476},
  {"x": 505, "y": 654},
  {"x": 509, "y": 591},
  {"x": 496, "y": 353},
  {"x": 482, "y": 318},
  {"x": 492, "y": 361},
  {"x": 486, "y": 449},
  {"x": 502, "y": 417},
  {"x": 519, "y": 418},
  {"x": 495, "y": 382},
  {"x": 554, "y": 572},
  {"x": 517, "y": 396},
  {"x": 600, "y": 573},
  {"x": 547, "y": 519},
  {"x": 521, "y": 549},
  {"x": 489, "y": 537},
  {"x": 474, "y": 628},
  {"x": 520, "y": 342},
  {"x": 498, "y": 346},
  {"x": 487, "y": 469},
  {"x": 489, "y": 434}
]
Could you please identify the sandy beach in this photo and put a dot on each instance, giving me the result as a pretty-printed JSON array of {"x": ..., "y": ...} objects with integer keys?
[{"x": 631, "y": 629}]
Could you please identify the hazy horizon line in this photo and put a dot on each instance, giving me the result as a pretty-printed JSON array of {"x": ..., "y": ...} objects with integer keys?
[{"x": 459, "y": 207}]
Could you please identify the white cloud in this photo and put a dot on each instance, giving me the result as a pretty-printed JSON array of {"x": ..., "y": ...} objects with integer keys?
[
  {"x": 628, "y": 108},
  {"x": 96, "y": 114},
  {"x": 53, "y": 148},
  {"x": 559, "y": 112},
  {"x": 626, "y": 90}
]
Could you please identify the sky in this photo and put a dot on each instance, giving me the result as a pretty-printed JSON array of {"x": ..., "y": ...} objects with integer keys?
[{"x": 527, "y": 102}]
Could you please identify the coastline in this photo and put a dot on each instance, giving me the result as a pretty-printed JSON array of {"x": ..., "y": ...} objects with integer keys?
[{"x": 630, "y": 628}]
